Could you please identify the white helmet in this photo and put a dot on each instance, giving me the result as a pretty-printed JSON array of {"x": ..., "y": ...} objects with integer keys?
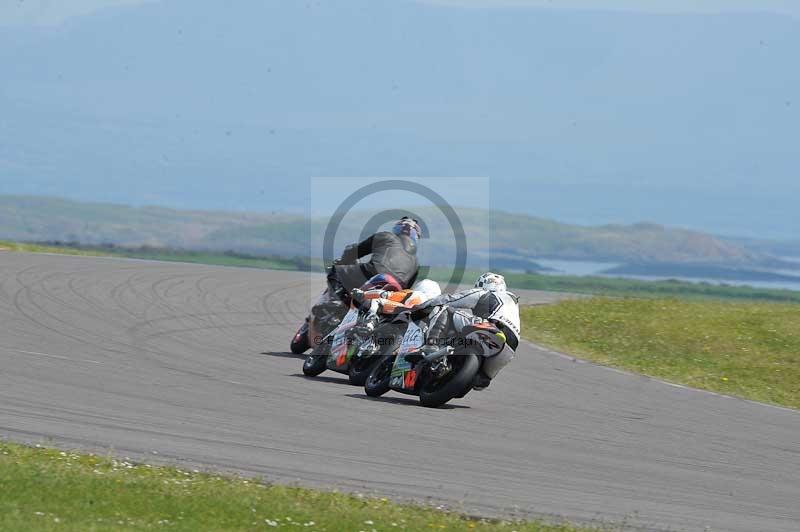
[
  {"x": 493, "y": 282},
  {"x": 427, "y": 289}
]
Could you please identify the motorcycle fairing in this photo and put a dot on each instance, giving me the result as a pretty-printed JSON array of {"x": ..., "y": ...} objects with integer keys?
[
  {"x": 404, "y": 376},
  {"x": 489, "y": 338},
  {"x": 341, "y": 350}
]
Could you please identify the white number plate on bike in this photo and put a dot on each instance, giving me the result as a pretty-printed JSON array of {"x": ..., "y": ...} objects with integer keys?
[
  {"x": 339, "y": 343},
  {"x": 412, "y": 339}
]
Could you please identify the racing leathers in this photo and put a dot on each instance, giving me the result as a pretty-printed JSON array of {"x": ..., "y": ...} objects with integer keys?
[
  {"x": 453, "y": 312},
  {"x": 391, "y": 253},
  {"x": 389, "y": 302}
]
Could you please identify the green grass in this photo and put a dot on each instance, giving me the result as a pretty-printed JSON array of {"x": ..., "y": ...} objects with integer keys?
[
  {"x": 220, "y": 259},
  {"x": 41, "y": 248},
  {"x": 605, "y": 286},
  {"x": 748, "y": 349},
  {"x": 228, "y": 258},
  {"x": 45, "y": 489},
  {"x": 617, "y": 287}
]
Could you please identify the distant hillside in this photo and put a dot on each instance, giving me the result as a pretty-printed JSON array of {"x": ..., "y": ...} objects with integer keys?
[
  {"x": 779, "y": 248},
  {"x": 509, "y": 240},
  {"x": 639, "y": 243}
]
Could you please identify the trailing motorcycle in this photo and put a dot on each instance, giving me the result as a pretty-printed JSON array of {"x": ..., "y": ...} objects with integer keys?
[
  {"x": 354, "y": 346},
  {"x": 325, "y": 316},
  {"x": 373, "y": 326},
  {"x": 330, "y": 309}
]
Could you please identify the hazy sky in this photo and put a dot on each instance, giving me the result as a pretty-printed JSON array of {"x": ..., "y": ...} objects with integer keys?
[
  {"x": 790, "y": 7},
  {"x": 54, "y": 12},
  {"x": 585, "y": 116}
]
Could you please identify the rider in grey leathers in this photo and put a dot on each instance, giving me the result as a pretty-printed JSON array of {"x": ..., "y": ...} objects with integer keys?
[{"x": 489, "y": 300}]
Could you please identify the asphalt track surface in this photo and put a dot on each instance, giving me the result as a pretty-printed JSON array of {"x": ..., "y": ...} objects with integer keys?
[{"x": 186, "y": 364}]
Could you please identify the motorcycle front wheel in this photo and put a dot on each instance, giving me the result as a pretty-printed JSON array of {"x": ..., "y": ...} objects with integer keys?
[
  {"x": 436, "y": 392},
  {"x": 300, "y": 343},
  {"x": 317, "y": 361},
  {"x": 360, "y": 368},
  {"x": 377, "y": 382}
]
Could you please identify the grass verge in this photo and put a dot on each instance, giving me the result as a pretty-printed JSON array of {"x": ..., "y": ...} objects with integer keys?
[
  {"x": 226, "y": 258},
  {"x": 42, "y": 248},
  {"x": 44, "y": 489},
  {"x": 747, "y": 349},
  {"x": 618, "y": 287}
]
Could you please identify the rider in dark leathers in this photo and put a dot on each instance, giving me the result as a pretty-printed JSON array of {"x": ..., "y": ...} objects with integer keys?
[{"x": 393, "y": 253}]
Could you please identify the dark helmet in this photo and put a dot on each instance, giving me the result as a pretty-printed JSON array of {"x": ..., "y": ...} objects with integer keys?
[
  {"x": 409, "y": 227},
  {"x": 382, "y": 281}
]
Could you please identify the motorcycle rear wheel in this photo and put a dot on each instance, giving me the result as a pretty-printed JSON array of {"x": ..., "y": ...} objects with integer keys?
[{"x": 434, "y": 393}]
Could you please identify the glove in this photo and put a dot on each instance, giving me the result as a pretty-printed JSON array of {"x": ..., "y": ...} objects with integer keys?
[{"x": 357, "y": 295}]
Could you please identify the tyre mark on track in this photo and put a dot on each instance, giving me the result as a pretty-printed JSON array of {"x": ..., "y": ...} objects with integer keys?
[
  {"x": 288, "y": 317},
  {"x": 25, "y": 295},
  {"x": 49, "y": 355}
]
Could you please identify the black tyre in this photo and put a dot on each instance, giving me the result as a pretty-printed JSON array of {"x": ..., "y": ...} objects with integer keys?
[
  {"x": 377, "y": 382},
  {"x": 360, "y": 368},
  {"x": 436, "y": 392},
  {"x": 300, "y": 343},
  {"x": 317, "y": 361}
]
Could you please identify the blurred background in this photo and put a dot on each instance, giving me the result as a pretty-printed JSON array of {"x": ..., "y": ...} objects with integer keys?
[{"x": 642, "y": 139}]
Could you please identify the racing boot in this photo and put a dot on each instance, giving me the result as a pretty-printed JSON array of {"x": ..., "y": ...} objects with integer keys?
[
  {"x": 481, "y": 381},
  {"x": 491, "y": 367}
]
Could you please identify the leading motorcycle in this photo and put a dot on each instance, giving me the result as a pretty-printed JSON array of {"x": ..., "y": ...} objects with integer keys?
[{"x": 440, "y": 373}]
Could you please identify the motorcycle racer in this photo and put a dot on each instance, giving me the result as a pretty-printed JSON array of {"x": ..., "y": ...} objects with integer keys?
[
  {"x": 376, "y": 302},
  {"x": 393, "y": 252},
  {"x": 489, "y": 299}
]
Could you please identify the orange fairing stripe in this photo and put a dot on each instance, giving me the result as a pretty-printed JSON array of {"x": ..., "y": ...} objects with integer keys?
[
  {"x": 410, "y": 379},
  {"x": 396, "y": 300},
  {"x": 413, "y": 300},
  {"x": 399, "y": 296},
  {"x": 390, "y": 306}
]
